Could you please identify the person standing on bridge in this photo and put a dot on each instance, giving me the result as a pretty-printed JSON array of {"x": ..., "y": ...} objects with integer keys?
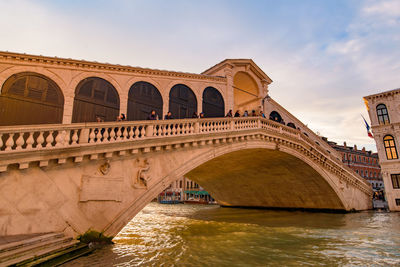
[
  {"x": 245, "y": 114},
  {"x": 168, "y": 116},
  {"x": 262, "y": 114},
  {"x": 152, "y": 115},
  {"x": 237, "y": 113},
  {"x": 229, "y": 114},
  {"x": 195, "y": 116},
  {"x": 253, "y": 113}
]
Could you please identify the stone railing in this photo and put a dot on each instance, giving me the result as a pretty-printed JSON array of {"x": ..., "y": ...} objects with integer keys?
[
  {"x": 20, "y": 144},
  {"x": 44, "y": 137}
]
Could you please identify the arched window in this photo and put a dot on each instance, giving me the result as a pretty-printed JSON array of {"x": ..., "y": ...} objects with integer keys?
[
  {"x": 383, "y": 116},
  {"x": 213, "y": 103},
  {"x": 291, "y": 124},
  {"x": 390, "y": 147},
  {"x": 30, "y": 98},
  {"x": 275, "y": 116},
  {"x": 182, "y": 101},
  {"x": 95, "y": 98},
  {"x": 143, "y": 97}
]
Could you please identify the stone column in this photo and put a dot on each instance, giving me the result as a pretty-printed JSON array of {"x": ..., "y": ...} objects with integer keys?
[{"x": 68, "y": 109}]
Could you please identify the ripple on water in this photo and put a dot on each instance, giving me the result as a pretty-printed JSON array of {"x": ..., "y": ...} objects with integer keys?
[{"x": 196, "y": 235}]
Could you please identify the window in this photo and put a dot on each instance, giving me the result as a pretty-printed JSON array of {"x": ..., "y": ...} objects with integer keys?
[
  {"x": 362, "y": 173},
  {"x": 397, "y": 201},
  {"x": 395, "y": 181},
  {"x": 383, "y": 116},
  {"x": 390, "y": 147}
]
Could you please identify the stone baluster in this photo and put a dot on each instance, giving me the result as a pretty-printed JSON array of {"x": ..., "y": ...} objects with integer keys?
[
  {"x": 10, "y": 142},
  {"x": 185, "y": 128},
  {"x": 125, "y": 134},
  {"x": 60, "y": 138},
  {"x": 92, "y": 136},
  {"x": 131, "y": 132},
  {"x": 40, "y": 140},
  {"x": 118, "y": 134},
  {"x": 105, "y": 135},
  {"x": 137, "y": 132},
  {"x": 20, "y": 141},
  {"x": 190, "y": 128},
  {"x": 98, "y": 135},
  {"x": 143, "y": 132},
  {"x": 49, "y": 139},
  {"x": 75, "y": 137},
  {"x": 112, "y": 135},
  {"x": 164, "y": 130}
]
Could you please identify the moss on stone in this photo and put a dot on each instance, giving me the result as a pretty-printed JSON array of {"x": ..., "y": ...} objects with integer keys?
[{"x": 96, "y": 237}]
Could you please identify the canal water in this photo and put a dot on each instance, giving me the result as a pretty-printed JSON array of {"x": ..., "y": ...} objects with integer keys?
[{"x": 200, "y": 235}]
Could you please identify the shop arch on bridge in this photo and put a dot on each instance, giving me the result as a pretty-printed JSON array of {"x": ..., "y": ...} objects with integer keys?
[{"x": 30, "y": 98}]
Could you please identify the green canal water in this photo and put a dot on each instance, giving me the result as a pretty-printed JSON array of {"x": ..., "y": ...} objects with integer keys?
[{"x": 197, "y": 235}]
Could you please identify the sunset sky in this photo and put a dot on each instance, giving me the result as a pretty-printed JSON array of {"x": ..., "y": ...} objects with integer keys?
[{"x": 323, "y": 56}]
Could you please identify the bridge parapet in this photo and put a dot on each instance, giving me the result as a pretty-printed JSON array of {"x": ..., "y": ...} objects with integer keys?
[{"x": 24, "y": 146}]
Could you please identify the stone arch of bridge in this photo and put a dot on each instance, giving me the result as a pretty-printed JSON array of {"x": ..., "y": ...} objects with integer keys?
[{"x": 193, "y": 168}]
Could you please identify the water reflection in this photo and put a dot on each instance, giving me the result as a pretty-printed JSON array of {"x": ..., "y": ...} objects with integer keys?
[{"x": 190, "y": 235}]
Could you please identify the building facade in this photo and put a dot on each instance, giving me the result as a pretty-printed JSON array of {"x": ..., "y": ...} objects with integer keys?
[
  {"x": 183, "y": 190},
  {"x": 384, "y": 112},
  {"x": 365, "y": 163}
]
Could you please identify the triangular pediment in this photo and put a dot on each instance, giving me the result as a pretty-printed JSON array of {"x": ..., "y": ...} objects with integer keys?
[{"x": 231, "y": 63}]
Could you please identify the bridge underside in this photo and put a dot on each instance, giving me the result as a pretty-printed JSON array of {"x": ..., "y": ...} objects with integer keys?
[{"x": 265, "y": 178}]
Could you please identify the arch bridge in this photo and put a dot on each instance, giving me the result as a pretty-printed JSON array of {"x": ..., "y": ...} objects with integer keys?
[
  {"x": 65, "y": 172},
  {"x": 98, "y": 176}
]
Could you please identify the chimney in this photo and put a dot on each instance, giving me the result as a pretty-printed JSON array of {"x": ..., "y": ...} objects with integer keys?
[
  {"x": 344, "y": 144},
  {"x": 363, "y": 149},
  {"x": 355, "y": 147}
]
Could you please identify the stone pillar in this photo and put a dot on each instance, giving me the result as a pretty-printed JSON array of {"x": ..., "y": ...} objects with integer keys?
[
  {"x": 165, "y": 105},
  {"x": 123, "y": 104},
  {"x": 68, "y": 109},
  {"x": 199, "y": 105}
]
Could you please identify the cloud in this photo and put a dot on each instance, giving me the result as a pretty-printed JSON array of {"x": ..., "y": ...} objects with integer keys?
[{"x": 323, "y": 56}]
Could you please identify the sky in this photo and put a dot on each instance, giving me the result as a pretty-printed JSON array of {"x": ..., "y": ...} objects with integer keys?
[{"x": 323, "y": 56}]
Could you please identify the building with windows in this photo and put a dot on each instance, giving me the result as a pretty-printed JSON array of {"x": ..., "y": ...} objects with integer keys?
[
  {"x": 185, "y": 190},
  {"x": 363, "y": 162},
  {"x": 384, "y": 112}
]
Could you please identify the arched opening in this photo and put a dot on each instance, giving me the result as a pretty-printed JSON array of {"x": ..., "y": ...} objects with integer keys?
[
  {"x": 291, "y": 124},
  {"x": 30, "y": 98},
  {"x": 95, "y": 98},
  {"x": 143, "y": 97},
  {"x": 213, "y": 103},
  {"x": 257, "y": 177},
  {"x": 390, "y": 147},
  {"x": 274, "y": 178},
  {"x": 275, "y": 116},
  {"x": 382, "y": 113},
  {"x": 182, "y": 101},
  {"x": 245, "y": 93}
]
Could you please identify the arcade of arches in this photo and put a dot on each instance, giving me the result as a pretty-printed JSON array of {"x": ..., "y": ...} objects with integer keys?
[{"x": 31, "y": 98}]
